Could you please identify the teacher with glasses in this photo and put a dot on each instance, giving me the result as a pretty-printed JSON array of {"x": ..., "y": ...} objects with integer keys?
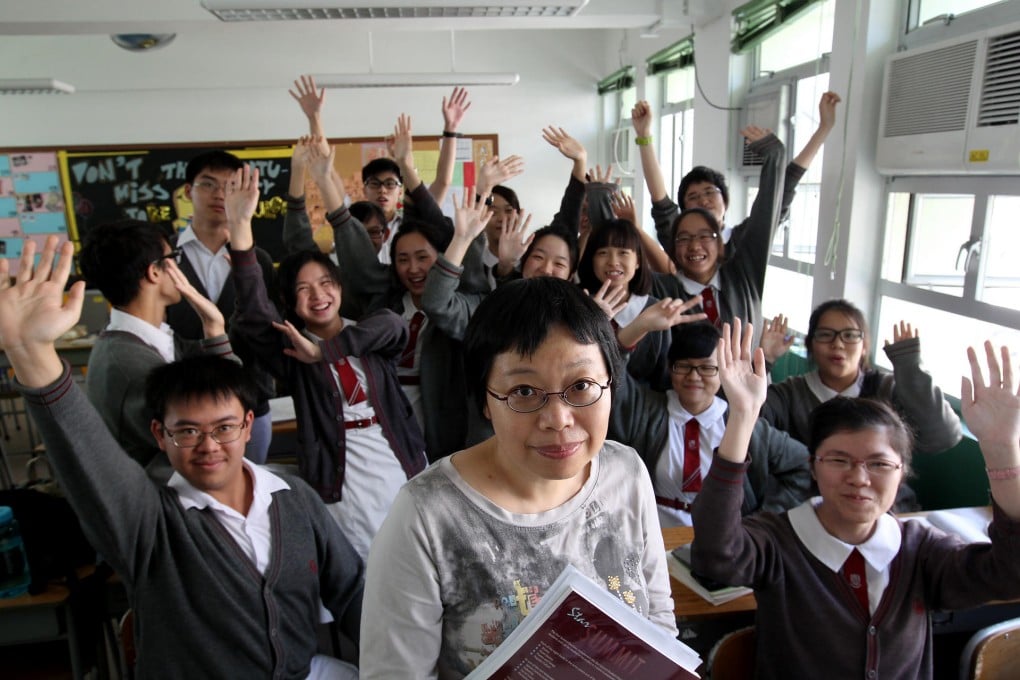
[
  {"x": 472, "y": 543},
  {"x": 838, "y": 345}
]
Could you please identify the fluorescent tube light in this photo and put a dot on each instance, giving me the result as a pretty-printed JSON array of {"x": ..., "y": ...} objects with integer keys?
[
  {"x": 34, "y": 86},
  {"x": 452, "y": 79},
  {"x": 282, "y": 10}
]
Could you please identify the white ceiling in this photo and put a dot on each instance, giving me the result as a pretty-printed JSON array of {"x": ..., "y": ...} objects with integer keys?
[{"x": 59, "y": 17}]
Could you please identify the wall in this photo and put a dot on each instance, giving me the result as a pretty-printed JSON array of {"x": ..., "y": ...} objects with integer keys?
[{"x": 209, "y": 86}]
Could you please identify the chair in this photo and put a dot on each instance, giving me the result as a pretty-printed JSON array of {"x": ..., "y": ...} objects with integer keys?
[
  {"x": 992, "y": 653},
  {"x": 732, "y": 658}
]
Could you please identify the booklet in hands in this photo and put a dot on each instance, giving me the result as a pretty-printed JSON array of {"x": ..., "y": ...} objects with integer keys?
[{"x": 579, "y": 630}]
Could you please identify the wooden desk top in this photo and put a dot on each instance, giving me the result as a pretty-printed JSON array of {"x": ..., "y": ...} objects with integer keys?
[{"x": 687, "y": 604}]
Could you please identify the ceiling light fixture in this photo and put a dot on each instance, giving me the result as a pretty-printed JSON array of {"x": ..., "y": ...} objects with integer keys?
[
  {"x": 283, "y": 10},
  {"x": 357, "y": 80}
]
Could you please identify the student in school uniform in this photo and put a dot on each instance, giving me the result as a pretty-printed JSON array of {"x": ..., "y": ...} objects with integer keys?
[
  {"x": 845, "y": 589},
  {"x": 729, "y": 274},
  {"x": 430, "y": 367},
  {"x": 358, "y": 440},
  {"x": 675, "y": 433},
  {"x": 837, "y": 342},
  {"x": 474, "y": 541},
  {"x": 133, "y": 265},
  {"x": 229, "y": 566},
  {"x": 204, "y": 247}
]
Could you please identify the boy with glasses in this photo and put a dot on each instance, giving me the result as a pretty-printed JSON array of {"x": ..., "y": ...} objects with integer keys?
[
  {"x": 229, "y": 566},
  {"x": 205, "y": 262},
  {"x": 677, "y": 432},
  {"x": 132, "y": 264}
]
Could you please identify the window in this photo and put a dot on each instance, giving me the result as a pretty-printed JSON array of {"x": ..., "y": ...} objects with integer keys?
[
  {"x": 802, "y": 39},
  {"x": 618, "y": 96},
  {"x": 676, "y": 126},
  {"x": 934, "y": 10},
  {"x": 947, "y": 266}
]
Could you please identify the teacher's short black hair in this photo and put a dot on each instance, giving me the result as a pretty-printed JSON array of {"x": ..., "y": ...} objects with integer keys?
[{"x": 518, "y": 316}]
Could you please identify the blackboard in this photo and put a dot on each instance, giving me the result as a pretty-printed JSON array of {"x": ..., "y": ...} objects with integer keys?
[{"x": 148, "y": 184}]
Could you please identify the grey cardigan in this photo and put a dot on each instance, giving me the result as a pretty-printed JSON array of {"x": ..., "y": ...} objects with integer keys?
[{"x": 202, "y": 610}]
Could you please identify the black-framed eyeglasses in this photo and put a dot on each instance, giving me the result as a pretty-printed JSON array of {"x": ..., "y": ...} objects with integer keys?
[
  {"x": 874, "y": 467},
  {"x": 211, "y": 185},
  {"x": 528, "y": 399},
  {"x": 172, "y": 255},
  {"x": 190, "y": 437},
  {"x": 704, "y": 370},
  {"x": 389, "y": 184},
  {"x": 702, "y": 238},
  {"x": 850, "y": 336}
]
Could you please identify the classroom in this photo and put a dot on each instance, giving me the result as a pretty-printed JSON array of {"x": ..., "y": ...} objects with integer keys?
[{"x": 909, "y": 209}]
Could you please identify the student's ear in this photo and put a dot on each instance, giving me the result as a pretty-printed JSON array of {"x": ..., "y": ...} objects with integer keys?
[
  {"x": 156, "y": 428},
  {"x": 249, "y": 418},
  {"x": 485, "y": 412},
  {"x": 187, "y": 191}
]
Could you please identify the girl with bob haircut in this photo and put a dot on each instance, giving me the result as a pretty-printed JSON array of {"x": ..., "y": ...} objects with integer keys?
[
  {"x": 472, "y": 543},
  {"x": 844, "y": 588}
]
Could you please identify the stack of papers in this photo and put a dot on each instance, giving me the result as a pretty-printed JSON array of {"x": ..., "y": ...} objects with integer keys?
[{"x": 679, "y": 563}]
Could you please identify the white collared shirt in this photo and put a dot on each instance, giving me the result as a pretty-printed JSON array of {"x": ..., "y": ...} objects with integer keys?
[
  {"x": 253, "y": 534},
  {"x": 490, "y": 262},
  {"x": 212, "y": 268},
  {"x": 635, "y": 305},
  {"x": 692, "y": 287},
  {"x": 160, "y": 339},
  {"x": 878, "y": 551},
  {"x": 392, "y": 225},
  {"x": 825, "y": 393},
  {"x": 669, "y": 471}
]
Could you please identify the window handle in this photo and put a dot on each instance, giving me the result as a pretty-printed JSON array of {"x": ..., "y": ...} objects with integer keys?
[{"x": 970, "y": 249}]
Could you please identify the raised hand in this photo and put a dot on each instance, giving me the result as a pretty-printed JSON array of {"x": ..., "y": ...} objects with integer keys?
[
  {"x": 992, "y": 410},
  {"x": 776, "y": 338},
  {"x": 752, "y": 133},
  {"x": 610, "y": 299},
  {"x": 454, "y": 109},
  {"x": 33, "y": 312},
  {"x": 308, "y": 97},
  {"x": 564, "y": 143},
  {"x": 470, "y": 218},
  {"x": 901, "y": 331},
  {"x": 213, "y": 323},
  {"x": 669, "y": 312},
  {"x": 401, "y": 143},
  {"x": 742, "y": 373},
  {"x": 623, "y": 207},
  {"x": 304, "y": 350},
  {"x": 241, "y": 197},
  {"x": 495, "y": 171},
  {"x": 641, "y": 119},
  {"x": 827, "y": 110},
  {"x": 512, "y": 243},
  {"x": 600, "y": 176},
  {"x": 320, "y": 158}
]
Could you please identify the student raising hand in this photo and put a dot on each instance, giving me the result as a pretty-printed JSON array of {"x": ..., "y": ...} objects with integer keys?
[
  {"x": 241, "y": 197},
  {"x": 469, "y": 221}
]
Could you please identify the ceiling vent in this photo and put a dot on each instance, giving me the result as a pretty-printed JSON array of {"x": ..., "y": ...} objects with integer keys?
[{"x": 287, "y": 10}]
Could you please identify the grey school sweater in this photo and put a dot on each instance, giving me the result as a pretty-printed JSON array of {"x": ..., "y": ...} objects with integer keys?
[{"x": 202, "y": 610}]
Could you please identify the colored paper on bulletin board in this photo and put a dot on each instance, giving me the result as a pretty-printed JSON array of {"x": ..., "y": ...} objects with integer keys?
[
  {"x": 31, "y": 202},
  {"x": 427, "y": 163}
]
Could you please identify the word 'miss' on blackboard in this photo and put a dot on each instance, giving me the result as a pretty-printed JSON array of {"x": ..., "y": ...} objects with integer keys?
[{"x": 149, "y": 185}]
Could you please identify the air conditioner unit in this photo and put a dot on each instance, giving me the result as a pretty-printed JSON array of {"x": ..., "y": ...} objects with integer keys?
[
  {"x": 769, "y": 109},
  {"x": 953, "y": 107}
]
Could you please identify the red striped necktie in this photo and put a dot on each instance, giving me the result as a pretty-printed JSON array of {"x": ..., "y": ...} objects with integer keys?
[
  {"x": 417, "y": 321},
  {"x": 692, "y": 457},
  {"x": 709, "y": 305},
  {"x": 353, "y": 389}
]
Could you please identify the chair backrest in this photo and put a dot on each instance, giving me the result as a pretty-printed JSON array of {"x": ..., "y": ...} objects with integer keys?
[
  {"x": 993, "y": 653},
  {"x": 732, "y": 658}
]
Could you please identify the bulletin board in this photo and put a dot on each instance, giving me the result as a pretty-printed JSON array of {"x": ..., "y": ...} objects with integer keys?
[{"x": 69, "y": 191}]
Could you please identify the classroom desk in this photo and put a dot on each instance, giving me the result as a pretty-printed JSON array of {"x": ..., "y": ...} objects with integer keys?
[
  {"x": 688, "y": 605},
  {"x": 42, "y": 617}
]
